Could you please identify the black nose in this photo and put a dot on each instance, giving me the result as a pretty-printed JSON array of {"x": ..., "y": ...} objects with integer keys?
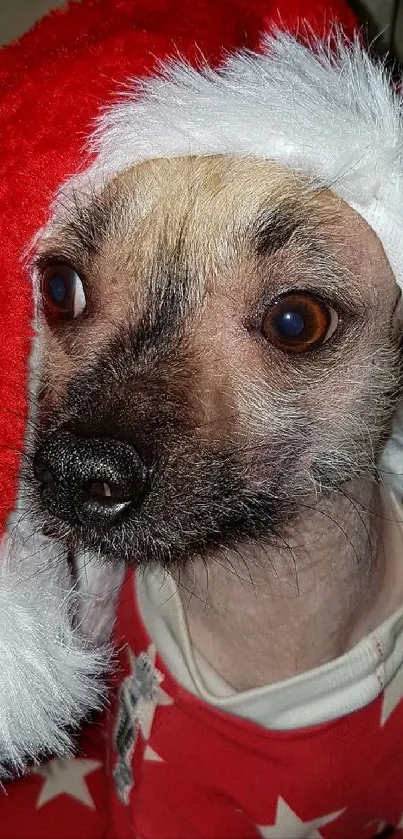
[{"x": 93, "y": 481}]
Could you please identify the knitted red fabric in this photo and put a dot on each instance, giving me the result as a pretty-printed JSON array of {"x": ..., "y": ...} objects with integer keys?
[{"x": 52, "y": 83}]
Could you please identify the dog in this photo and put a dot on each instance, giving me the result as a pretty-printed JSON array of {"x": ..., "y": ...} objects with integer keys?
[{"x": 221, "y": 366}]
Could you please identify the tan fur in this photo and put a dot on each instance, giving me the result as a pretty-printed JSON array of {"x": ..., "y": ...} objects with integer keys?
[{"x": 211, "y": 202}]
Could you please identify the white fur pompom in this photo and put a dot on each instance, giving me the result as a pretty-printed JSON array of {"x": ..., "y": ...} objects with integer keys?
[{"x": 51, "y": 675}]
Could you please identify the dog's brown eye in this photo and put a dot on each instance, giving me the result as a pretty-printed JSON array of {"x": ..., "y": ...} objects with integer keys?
[
  {"x": 299, "y": 322},
  {"x": 63, "y": 294}
]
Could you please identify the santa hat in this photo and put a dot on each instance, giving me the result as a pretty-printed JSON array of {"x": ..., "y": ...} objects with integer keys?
[{"x": 331, "y": 115}]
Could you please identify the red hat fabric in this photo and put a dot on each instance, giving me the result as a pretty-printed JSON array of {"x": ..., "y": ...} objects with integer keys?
[{"x": 52, "y": 84}]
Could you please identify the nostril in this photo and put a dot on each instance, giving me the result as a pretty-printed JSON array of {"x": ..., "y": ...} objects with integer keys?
[
  {"x": 99, "y": 491},
  {"x": 106, "y": 493}
]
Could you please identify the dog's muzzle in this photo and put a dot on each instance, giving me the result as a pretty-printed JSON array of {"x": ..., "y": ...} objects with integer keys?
[{"x": 90, "y": 481}]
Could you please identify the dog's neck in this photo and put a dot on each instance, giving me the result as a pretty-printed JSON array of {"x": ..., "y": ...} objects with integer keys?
[{"x": 268, "y": 612}]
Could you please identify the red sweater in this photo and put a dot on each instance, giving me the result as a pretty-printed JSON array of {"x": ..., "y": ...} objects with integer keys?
[{"x": 165, "y": 765}]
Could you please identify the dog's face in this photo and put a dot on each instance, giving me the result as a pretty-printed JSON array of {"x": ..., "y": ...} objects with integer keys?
[{"x": 220, "y": 343}]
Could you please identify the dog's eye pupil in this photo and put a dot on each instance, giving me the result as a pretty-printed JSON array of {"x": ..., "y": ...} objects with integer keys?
[
  {"x": 291, "y": 323},
  {"x": 63, "y": 295},
  {"x": 57, "y": 289},
  {"x": 298, "y": 322}
]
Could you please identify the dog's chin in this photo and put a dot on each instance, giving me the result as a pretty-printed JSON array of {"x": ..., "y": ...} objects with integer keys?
[
  {"x": 213, "y": 511},
  {"x": 197, "y": 502},
  {"x": 145, "y": 540}
]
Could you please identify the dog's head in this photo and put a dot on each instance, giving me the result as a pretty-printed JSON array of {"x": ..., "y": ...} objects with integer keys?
[{"x": 220, "y": 343}]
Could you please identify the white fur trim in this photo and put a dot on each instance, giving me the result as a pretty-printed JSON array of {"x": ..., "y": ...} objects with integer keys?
[
  {"x": 51, "y": 675},
  {"x": 328, "y": 113}
]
